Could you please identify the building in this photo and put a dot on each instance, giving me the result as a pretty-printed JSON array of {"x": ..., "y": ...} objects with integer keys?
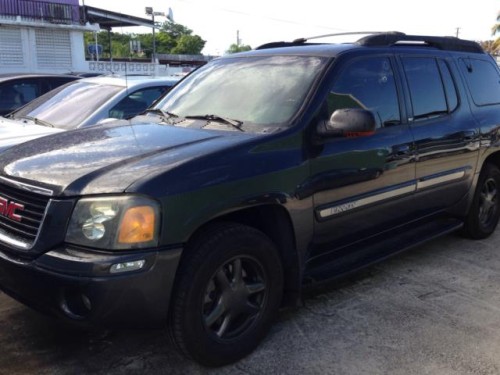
[
  {"x": 47, "y": 36},
  {"x": 39, "y": 36}
]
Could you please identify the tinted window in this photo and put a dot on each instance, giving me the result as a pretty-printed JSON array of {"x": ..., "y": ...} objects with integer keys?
[
  {"x": 260, "y": 91},
  {"x": 136, "y": 102},
  {"x": 426, "y": 87},
  {"x": 483, "y": 80},
  {"x": 368, "y": 84},
  {"x": 54, "y": 82},
  {"x": 449, "y": 86},
  {"x": 17, "y": 93}
]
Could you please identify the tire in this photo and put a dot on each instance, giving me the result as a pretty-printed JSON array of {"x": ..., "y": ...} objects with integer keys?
[
  {"x": 484, "y": 212},
  {"x": 227, "y": 293}
]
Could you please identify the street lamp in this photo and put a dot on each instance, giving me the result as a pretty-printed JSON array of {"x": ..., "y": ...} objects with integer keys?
[{"x": 152, "y": 13}]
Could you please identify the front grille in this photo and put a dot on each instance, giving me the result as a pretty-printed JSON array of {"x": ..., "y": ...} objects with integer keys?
[{"x": 34, "y": 204}]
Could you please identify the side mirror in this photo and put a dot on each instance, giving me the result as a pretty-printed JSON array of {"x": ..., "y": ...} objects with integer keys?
[{"x": 348, "y": 122}]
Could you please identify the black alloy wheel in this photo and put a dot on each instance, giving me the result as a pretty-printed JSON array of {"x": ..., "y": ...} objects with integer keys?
[
  {"x": 488, "y": 205},
  {"x": 234, "y": 298},
  {"x": 484, "y": 213},
  {"x": 227, "y": 293}
]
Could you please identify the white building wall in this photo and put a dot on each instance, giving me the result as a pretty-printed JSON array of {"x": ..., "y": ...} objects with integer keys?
[
  {"x": 53, "y": 50},
  {"x": 12, "y": 48},
  {"x": 37, "y": 47},
  {"x": 78, "y": 52}
]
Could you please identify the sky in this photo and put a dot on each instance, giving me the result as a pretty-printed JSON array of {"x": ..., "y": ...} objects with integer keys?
[{"x": 261, "y": 21}]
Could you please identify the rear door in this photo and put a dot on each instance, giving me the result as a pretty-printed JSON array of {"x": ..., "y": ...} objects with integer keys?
[{"x": 446, "y": 135}]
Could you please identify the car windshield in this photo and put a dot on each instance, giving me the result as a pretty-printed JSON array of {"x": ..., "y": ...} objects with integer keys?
[
  {"x": 263, "y": 91},
  {"x": 68, "y": 106}
]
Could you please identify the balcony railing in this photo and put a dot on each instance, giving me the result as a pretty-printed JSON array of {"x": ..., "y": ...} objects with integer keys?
[{"x": 63, "y": 12}]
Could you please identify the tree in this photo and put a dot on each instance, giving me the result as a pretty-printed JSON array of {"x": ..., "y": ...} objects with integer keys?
[
  {"x": 235, "y": 48},
  {"x": 491, "y": 46},
  {"x": 496, "y": 28},
  {"x": 188, "y": 45},
  {"x": 175, "y": 30},
  {"x": 172, "y": 38}
]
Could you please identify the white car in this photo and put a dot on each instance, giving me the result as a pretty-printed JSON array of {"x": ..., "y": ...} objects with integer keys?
[{"x": 82, "y": 103}]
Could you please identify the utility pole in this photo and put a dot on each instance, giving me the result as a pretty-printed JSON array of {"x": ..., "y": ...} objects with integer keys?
[
  {"x": 152, "y": 13},
  {"x": 458, "y": 31},
  {"x": 238, "y": 40}
]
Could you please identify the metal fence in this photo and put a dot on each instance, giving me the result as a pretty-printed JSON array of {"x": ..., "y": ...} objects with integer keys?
[{"x": 61, "y": 11}]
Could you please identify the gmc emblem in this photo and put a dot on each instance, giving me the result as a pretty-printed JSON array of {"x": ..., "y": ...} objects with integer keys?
[{"x": 10, "y": 209}]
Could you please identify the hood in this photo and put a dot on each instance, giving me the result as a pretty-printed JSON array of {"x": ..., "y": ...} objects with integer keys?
[
  {"x": 13, "y": 132},
  {"x": 108, "y": 159}
]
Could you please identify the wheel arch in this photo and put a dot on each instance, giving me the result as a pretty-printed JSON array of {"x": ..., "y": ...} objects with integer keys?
[
  {"x": 275, "y": 222},
  {"x": 493, "y": 158}
]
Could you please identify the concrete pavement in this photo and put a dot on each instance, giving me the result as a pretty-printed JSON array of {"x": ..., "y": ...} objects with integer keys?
[{"x": 432, "y": 310}]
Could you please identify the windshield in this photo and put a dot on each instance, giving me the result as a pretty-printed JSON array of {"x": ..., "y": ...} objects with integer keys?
[
  {"x": 265, "y": 90},
  {"x": 68, "y": 106}
]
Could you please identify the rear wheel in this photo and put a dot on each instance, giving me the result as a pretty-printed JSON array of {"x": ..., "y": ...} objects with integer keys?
[
  {"x": 227, "y": 293},
  {"x": 484, "y": 212}
]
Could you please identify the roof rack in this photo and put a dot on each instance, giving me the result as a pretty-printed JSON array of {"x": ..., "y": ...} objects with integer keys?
[
  {"x": 302, "y": 41},
  {"x": 447, "y": 43},
  {"x": 388, "y": 39}
]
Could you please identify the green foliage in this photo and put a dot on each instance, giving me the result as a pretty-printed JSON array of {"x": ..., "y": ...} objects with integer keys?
[
  {"x": 235, "y": 48},
  {"x": 188, "y": 45},
  {"x": 491, "y": 46},
  {"x": 171, "y": 38},
  {"x": 176, "y": 30},
  {"x": 496, "y": 27}
]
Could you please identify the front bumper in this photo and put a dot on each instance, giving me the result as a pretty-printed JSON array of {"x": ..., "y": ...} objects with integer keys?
[{"x": 78, "y": 286}]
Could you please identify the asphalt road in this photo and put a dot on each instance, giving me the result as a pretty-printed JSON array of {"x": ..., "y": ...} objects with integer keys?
[{"x": 432, "y": 310}]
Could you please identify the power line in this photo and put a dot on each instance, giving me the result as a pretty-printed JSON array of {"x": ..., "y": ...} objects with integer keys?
[{"x": 261, "y": 16}]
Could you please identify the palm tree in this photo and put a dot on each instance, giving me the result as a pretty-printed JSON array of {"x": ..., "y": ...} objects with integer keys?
[
  {"x": 496, "y": 28},
  {"x": 491, "y": 46}
]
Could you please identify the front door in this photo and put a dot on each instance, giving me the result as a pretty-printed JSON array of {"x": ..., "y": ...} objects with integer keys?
[{"x": 362, "y": 183}]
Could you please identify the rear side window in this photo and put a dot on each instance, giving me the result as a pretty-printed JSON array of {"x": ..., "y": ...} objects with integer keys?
[
  {"x": 17, "y": 93},
  {"x": 483, "y": 81},
  {"x": 426, "y": 87}
]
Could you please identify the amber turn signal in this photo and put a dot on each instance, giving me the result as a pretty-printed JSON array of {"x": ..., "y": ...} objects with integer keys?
[{"x": 138, "y": 225}]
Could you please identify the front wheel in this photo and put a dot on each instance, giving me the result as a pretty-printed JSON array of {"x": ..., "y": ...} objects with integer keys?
[
  {"x": 484, "y": 212},
  {"x": 228, "y": 291}
]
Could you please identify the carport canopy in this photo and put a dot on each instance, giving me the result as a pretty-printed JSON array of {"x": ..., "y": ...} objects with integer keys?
[{"x": 108, "y": 19}]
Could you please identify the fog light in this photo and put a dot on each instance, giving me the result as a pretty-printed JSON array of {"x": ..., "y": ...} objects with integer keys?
[{"x": 127, "y": 266}]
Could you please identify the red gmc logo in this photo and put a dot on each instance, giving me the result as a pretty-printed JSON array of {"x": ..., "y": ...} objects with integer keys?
[{"x": 10, "y": 209}]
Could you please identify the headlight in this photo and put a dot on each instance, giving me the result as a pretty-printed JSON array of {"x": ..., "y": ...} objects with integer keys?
[{"x": 126, "y": 222}]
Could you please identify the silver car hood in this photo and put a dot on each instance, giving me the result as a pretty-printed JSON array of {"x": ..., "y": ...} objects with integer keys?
[{"x": 13, "y": 132}]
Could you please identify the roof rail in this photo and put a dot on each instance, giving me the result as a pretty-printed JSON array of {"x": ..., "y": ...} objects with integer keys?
[
  {"x": 447, "y": 43},
  {"x": 387, "y": 39},
  {"x": 302, "y": 41},
  {"x": 278, "y": 45}
]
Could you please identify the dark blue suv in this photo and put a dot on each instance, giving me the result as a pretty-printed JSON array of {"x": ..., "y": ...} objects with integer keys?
[{"x": 258, "y": 174}]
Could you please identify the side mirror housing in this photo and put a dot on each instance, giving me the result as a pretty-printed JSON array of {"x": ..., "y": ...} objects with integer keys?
[{"x": 348, "y": 122}]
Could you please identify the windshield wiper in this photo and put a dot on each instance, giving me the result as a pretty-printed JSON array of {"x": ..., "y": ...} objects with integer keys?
[
  {"x": 224, "y": 120},
  {"x": 38, "y": 121},
  {"x": 165, "y": 114}
]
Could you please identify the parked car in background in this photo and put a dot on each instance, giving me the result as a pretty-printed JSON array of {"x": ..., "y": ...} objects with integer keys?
[
  {"x": 82, "y": 103},
  {"x": 18, "y": 89}
]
